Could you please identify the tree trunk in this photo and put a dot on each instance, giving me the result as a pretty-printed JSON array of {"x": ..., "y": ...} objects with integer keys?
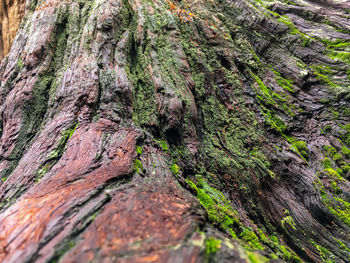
[{"x": 175, "y": 131}]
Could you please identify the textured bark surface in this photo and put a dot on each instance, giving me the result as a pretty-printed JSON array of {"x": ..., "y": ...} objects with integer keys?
[{"x": 175, "y": 131}]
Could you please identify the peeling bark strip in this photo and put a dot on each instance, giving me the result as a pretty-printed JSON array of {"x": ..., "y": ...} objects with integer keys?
[{"x": 175, "y": 131}]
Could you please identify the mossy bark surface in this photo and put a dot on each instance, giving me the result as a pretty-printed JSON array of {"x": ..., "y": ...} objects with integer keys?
[{"x": 176, "y": 131}]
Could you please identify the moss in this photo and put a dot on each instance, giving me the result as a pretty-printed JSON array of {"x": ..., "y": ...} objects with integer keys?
[
  {"x": 333, "y": 173},
  {"x": 138, "y": 150},
  {"x": 302, "y": 148},
  {"x": 289, "y": 256},
  {"x": 35, "y": 107},
  {"x": 340, "y": 171},
  {"x": 138, "y": 167},
  {"x": 33, "y": 114},
  {"x": 42, "y": 171},
  {"x": 286, "y": 253},
  {"x": 62, "y": 249},
  {"x": 342, "y": 245},
  {"x": 345, "y": 151},
  {"x": 330, "y": 150},
  {"x": 145, "y": 111},
  {"x": 293, "y": 29},
  {"x": 276, "y": 122},
  {"x": 324, "y": 253},
  {"x": 345, "y": 169},
  {"x": 342, "y": 210},
  {"x": 335, "y": 188},
  {"x": 259, "y": 155},
  {"x": 273, "y": 103},
  {"x": 336, "y": 205},
  {"x": 342, "y": 56},
  {"x": 306, "y": 42},
  {"x": 335, "y": 114},
  {"x": 337, "y": 44},
  {"x": 286, "y": 84},
  {"x": 248, "y": 236},
  {"x": 228, "y": 130},
  {"x": 346, "y": 111},
  {"x": 327, "y": 128},
  {"x": 212, "y": 245},
  {"x": 163, "y": 145},
  {"x": 287, "y": 219},
  {"x": 265, "y": 91},
  {"x": 219, "y": 209},
  {"x": 337, "y": 157},
  {"x": 62, "y": 143},
  {"x": 299, "y": 147},
  {"x": 34, "y": 110},
  {"x": 175, "y": 169},
  {"x": 324, "y": 74},
  {"x": 327, "y": 163},
  {"x": 20, "y": 64},
  {"x": 221, "y": 214},
  {"x": 224, "y": 147},
  {"x": 281, "y": 251},
  {"x": 346, "y": 135},
  {"x": 256, "y": 258},
  {"x": 56, "y": 153}
]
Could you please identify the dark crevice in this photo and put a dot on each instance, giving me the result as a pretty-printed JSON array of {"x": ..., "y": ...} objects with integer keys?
[
  {"x": 225, "y": 62},
  {"x": 173, "y": 136}
]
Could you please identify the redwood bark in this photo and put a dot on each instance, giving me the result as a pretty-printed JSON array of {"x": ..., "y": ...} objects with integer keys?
[{"x": 174, "y": 131}]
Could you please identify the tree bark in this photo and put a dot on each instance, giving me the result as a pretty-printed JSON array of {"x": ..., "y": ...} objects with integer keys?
[{"x": 175, "y": 131}]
